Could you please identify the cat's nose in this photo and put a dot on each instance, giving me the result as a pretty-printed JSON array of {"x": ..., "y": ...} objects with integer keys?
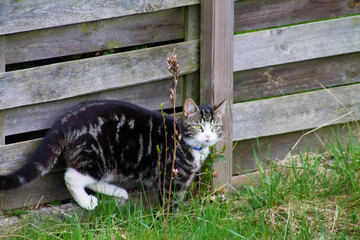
[{"x": 208, "y": 136}]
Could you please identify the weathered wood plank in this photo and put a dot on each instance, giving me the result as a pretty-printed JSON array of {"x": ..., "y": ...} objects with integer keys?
[
  {"x": 69, "y": 79},
  {"x": 2, "y": 69},
  {"x": 262, "y": 14},
  {"x": 20, "y": 16},
  {"x": 13, "y": 156},
  {"x": 296, "y": 77},
  {"x": 192, "y": 32},
  {"x": 42, "y": 116},
  {"x": 296, "y": 43},
  {"x": 278, "y": 146},
  {"x": 294, "y": 112},
  {"x": 49, "y": 188},
  {"x": 93, "y": 36},
  {"x": 216, "y": 71},
  {"x": 2, "y": 54}
]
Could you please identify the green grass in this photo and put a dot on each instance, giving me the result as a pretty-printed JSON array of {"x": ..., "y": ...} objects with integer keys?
[{"x": 310, "y": 197}]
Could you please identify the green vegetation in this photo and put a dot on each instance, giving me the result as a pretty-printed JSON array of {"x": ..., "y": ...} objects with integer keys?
[{"x": 309, "y": 196}]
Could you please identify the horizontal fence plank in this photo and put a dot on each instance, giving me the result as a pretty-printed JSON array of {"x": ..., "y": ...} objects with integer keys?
[
  {"x": 278, "y": 146},
  {"x": 296, "y": 77},
  {"x": 94, "y": 36},
  {"x": 20, "y": 16},
  {"x": 294, "y": 112},
  {"x": 69, "y": 79},
  {"x": 296, "y": 43},
  {"x": 13, "y": 156},
  {"x": 42, "y": 190},
  {"x": 260, "y": 14},
  {"x": 42, "y": 116},
  {"x": 47, "y": 189}
]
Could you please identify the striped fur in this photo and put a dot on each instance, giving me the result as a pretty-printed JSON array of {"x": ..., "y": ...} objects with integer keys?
[{"x": 108, "y": 141}]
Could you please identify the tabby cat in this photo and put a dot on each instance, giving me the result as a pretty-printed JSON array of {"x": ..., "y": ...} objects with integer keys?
[{"x": 105, "y": 142}]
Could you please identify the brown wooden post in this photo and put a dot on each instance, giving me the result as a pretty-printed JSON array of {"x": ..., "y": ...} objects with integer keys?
[{"x": 216, "y": 71}]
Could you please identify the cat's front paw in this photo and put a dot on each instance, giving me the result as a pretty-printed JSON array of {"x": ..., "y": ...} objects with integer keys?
[{"x": 90, "y": 203}]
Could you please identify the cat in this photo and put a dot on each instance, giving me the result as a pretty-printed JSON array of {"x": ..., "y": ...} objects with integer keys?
[{"x": 108, "y": 141}]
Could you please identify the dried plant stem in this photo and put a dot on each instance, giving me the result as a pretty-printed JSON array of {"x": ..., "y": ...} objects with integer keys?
[
  {"x": 315, "y": 129},
  {"x": 326, "y": 124},
  {"x": 166, "y": 150},
  {"x": 339, "y": 101},
  {"x": 173, "y": 68}
]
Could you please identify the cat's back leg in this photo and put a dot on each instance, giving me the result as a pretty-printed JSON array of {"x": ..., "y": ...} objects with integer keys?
[{"x": 76, "y": 183}]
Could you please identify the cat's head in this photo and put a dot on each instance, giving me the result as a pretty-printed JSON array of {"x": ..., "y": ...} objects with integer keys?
[{"x": 201, "y": 126}]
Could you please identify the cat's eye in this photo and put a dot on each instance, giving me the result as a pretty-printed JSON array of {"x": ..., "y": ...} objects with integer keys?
[
  {"x": 198, "y": 126},
  {"x": 215, "y": 127}
]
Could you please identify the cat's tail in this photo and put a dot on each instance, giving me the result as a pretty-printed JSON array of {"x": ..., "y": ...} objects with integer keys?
[{"x": 39, "y": 164}]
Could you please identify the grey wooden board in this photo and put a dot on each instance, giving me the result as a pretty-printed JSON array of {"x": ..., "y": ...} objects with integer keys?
[
  {"x": 296, "y": 77},
  {"x": 94, "y": 36},
  {"x": 2, "y": 69},
  {"x": 296, "y": 43},
  {"x": 13, "y": 156},
  {"x": 20, "y": 16},
  {"x": 69, "y": 79},
  {"x": 42, "y": 116},
  {"x": 262, "y": 14},
  {"x": 49, "y": 188},
  {"x": 294, "y": 112},
  {"x": 278, "y": 146}
]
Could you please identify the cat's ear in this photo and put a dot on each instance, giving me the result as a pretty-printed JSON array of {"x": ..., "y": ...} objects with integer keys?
[
  {"x": 220, "y": 109},
  {"x": 190, "y": 108}
]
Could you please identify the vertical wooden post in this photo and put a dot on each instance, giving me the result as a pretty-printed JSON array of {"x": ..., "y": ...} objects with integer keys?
[
  {"x": 216, "y": 71},
  {"x": 192, "y": 32},
  {"x": 2, "y": 69},
  {"x": 2, "y": 113}
]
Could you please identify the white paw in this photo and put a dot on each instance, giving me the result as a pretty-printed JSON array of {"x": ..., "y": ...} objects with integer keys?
[
  {"x": 122, "y": 193},
  {"x": 90, "y": 203}
]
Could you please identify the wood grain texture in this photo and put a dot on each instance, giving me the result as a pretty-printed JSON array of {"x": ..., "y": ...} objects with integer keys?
[
  {"x": 296, "y": 43},
  {"x": 262, "y": 14},
  {"x": 50, "y": 188},
  {"x": 216, "y": 71},
  {"x": 47, "y": 189},
  {"x": 2, "y": 69},
  {"x": 296, "y": 77},
  {"x": 69, "y": 79},
  {"x": 42, "y": 116},
  {"x": 20, "y": 16},
  {"x": 192, "y": 32},
  {"x": 278, "y": 146},
  {"x": 13, "y": 156},
  {"x": 294, "y": 112},
  {"x": 94, "y": 36}
]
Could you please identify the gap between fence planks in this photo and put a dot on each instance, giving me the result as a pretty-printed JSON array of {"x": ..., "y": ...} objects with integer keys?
[
  {"x": 294, "y": 112},
  {"x": 76, "y": 78},
  {"x": 296, "y": 77},
  {"x": 250, "y": 15},
  {"x": 296, "y": 43},
  {"x": 42, "y": 116},
  {"x": 37, "y": 14},
  {"x": 94, "y": 36},
  {"x": 2, "y": 69}
]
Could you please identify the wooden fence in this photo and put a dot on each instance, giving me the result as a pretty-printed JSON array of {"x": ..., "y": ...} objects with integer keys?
[{"x": 272, "y": 75}]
